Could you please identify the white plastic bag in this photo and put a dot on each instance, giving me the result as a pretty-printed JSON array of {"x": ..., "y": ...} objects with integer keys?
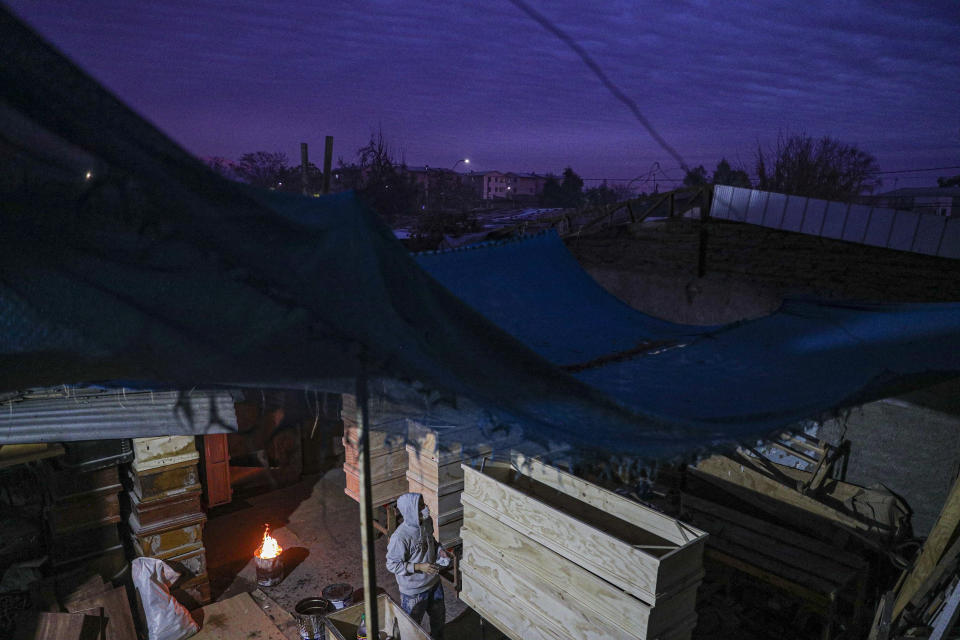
[{"x": 167, "y": 619}]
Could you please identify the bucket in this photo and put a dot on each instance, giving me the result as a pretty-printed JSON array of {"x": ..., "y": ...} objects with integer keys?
[
  {"x": 340, "y": 595},
  {"x": 309, "y": 614}
]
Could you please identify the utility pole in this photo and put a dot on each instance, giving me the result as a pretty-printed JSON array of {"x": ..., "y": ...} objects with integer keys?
[
  {"x": 327, "y": 161},
  {"x": 304, "y": 163}
]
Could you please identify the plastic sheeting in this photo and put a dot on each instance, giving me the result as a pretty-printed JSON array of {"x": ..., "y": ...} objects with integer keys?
[{"x": 740, "y": 379}]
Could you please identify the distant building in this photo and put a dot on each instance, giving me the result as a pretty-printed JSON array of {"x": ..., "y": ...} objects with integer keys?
[
  {"x": 497, "y": 185},
  {"x": 941, "y": 201},
  {"x": 525, "y": 186}
]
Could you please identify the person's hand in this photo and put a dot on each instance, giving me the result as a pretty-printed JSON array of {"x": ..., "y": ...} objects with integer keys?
[{"x": 426, "y": 567}]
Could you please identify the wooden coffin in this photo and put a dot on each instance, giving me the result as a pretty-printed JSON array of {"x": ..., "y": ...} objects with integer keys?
[
  {"x": 545, "y": 580},
  {"x": 81, "y": 512},
  {"x": 191, "y": 565},
  {"x": 169, "y": 538},
  {"x": 439, "y": 504},
  {"x": 68, "y": 547},
  {"x": 383, "y": 492},
  {"x": 382, "y": 467},
  {"x": 644, "y": 552},
  {"x": 342, "y": 624},
  {"x": 162, "y": 451},
  {"x": 68, "y": 483},
  {"x": 164, "y": 509},
  {"x": 164, "y": 482}
]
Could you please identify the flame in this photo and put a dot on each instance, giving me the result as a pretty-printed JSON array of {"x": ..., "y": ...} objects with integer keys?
[{"x": 269, "y": 548}]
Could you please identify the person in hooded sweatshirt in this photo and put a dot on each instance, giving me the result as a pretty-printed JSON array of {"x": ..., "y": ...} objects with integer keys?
[{"x": 412, "y": 556}]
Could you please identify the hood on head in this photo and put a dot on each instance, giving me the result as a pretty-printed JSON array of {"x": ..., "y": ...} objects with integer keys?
[{"x": 408, "y": 506}]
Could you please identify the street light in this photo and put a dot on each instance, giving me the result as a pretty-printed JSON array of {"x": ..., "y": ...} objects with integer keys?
[{"x": 463, "y": 160}]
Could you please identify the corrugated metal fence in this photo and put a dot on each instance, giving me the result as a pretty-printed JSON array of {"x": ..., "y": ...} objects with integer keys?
[
  {"x": 880, "y": 227},
  {"x": 98, "y": 415}
]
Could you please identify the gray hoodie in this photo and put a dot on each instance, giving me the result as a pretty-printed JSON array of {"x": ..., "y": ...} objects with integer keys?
[{"x": 410, "y": 544}]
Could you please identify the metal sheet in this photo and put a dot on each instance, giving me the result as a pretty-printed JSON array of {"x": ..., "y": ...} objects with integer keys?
[
  {"x": 814, "y": 217},
  {"x": 834, "y": 220},
  {"x": 929, "y": 234},
  {"x": 93, "y": 414},
  {"x": 881, "y": 227},
  {"x": 903, "y": 231},
  {"x": 878, "y": 231}
]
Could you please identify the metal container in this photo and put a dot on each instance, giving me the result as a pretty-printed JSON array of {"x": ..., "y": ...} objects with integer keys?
[
  {"x": 309, "y": 614},
  {"x": 340, "y": 595},
  {"x": 269, "y": 570}
]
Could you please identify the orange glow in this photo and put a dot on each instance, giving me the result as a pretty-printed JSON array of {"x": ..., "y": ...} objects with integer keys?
[{"x": 269, "y": 548}]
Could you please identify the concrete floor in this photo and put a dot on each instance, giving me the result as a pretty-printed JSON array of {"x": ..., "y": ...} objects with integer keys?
[{"x": 319, "y": 528}]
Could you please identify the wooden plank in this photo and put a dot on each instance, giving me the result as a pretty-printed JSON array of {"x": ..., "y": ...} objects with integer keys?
[
  {"x": 342, "y": 624},
  {"x": 881, "y": 627},
  {"x": 14, "y": 454},
  {"x": 116, "y": 608},
  {"x": 947, "y": 618},
  {"x": 614, "y": 549},
  {"x": 534, "y": 596},
  {"x": 279, "y": 616},
  {"x": 236, "y": 617},
  {"x": 633, "y": 512},
  {"x": 62, "y": 626},
  {"x": 946, "y": 562},
  {"x": 944, "y": 530}
]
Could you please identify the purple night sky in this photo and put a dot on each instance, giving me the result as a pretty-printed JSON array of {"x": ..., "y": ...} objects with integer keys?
[{"x": 448, "y": 80}]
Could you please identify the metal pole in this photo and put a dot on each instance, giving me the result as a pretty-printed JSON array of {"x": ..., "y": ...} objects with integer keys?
[
  {"x": 366, "y": 506},
  {"x": 327, "y": 161},
  {"x": 303, "y": 167}
]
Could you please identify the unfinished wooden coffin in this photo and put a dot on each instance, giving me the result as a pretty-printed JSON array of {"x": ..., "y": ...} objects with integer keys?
[
  {"x": 562, "y": 592},
  {"x": 342, "y": 624},
  {"x": 644, "y": 552},
  {"x": 383, "y": 492}
]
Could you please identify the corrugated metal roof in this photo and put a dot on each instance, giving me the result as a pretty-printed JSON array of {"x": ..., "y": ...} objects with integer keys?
[{"x": 67, "y": 414}]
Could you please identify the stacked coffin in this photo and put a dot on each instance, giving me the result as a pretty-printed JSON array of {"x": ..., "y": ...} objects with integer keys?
[
  {"x": 388, "y": 457},
  {"x": 549, "y": 556},
  {"x": 164, "y": 513},
  {"x": 82, "y": 521},
  {"x": 436, "y": 453}
]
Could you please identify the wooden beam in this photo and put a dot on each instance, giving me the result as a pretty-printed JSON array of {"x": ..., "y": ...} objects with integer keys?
[
  {"x": 366, "y": 503},
  {"x": 943, "y": 532}
]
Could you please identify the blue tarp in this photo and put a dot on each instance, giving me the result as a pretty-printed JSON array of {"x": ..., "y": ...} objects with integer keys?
[{"x": 740, "y": 379}]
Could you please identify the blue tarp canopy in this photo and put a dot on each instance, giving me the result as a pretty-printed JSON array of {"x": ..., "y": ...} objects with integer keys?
[
  {"x": 744, "y": 378},
  {"x": 156, "y": 272}
]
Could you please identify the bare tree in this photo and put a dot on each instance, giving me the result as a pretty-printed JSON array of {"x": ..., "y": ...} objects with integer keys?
[
  {"x": 263, "y": 169},
  {"x": 818, "y": 168}
]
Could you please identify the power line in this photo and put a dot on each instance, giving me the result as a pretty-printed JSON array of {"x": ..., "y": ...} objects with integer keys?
[{"x": 593, "y": 66}]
